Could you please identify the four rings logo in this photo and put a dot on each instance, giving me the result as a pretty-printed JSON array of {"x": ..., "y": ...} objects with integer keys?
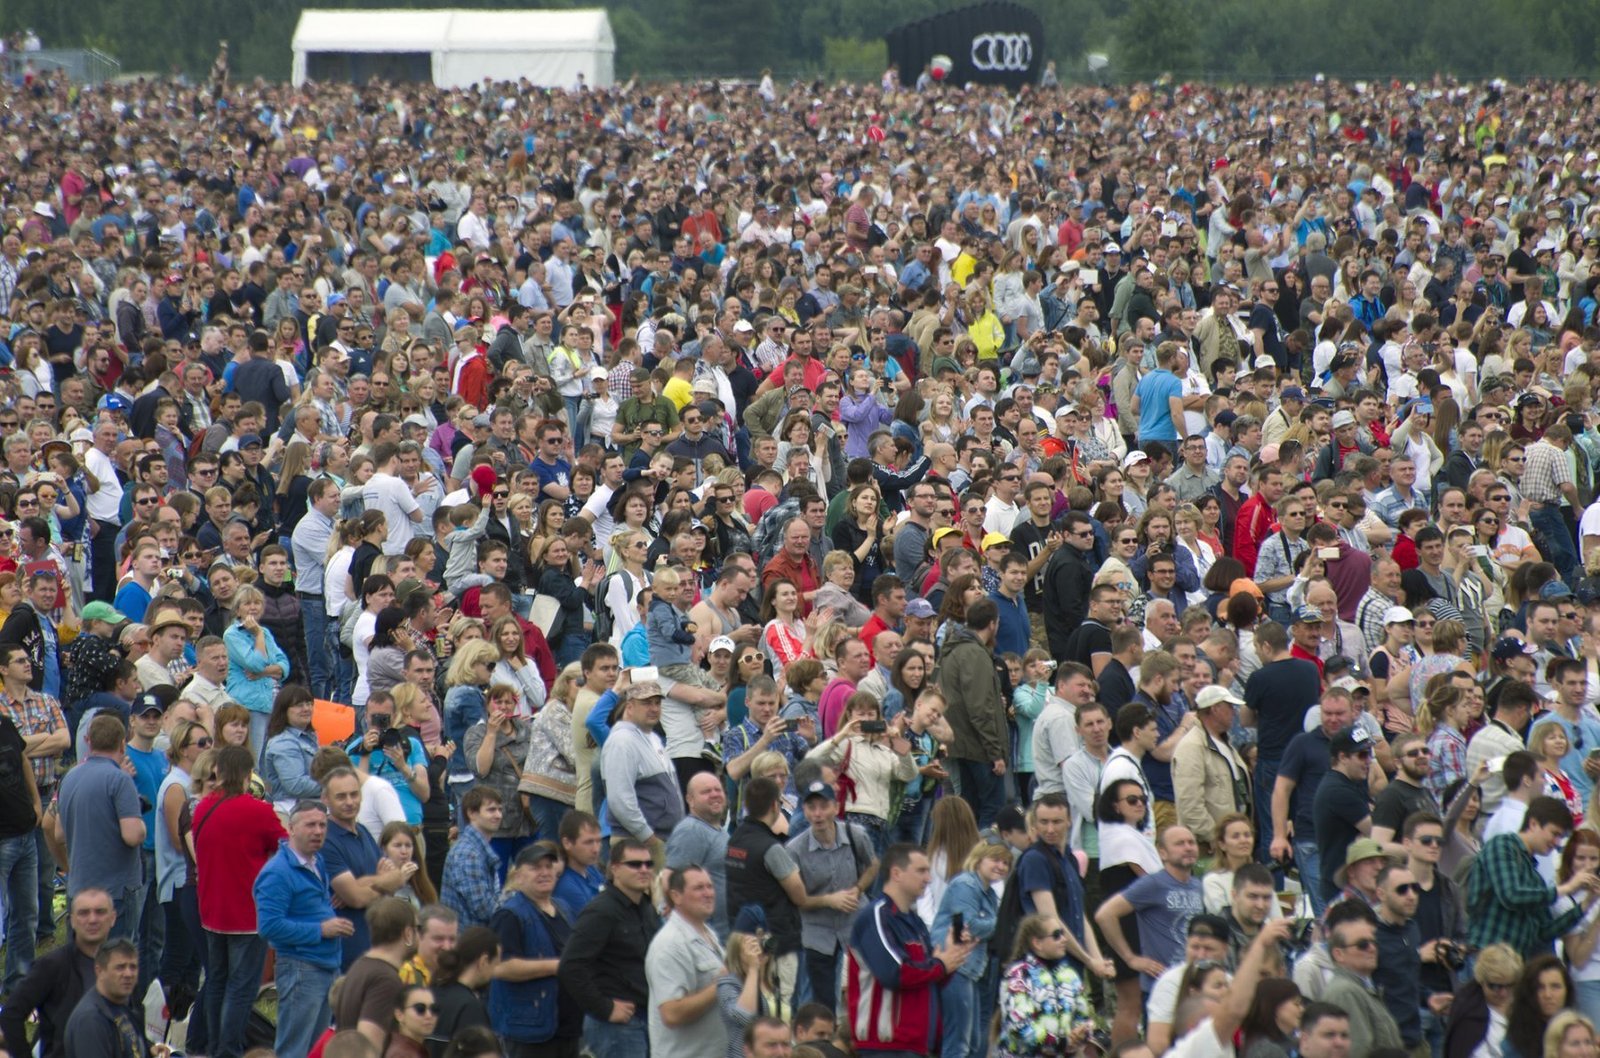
[{"x": 1002, "y": 51}]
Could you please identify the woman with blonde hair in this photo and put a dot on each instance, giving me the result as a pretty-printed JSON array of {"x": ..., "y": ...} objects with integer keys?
[
  {"x": 1549, "y": 742},
  {"x": 967, "y": 996},
  {"x": 1570, "y": 1035},
  {"x": 953, "y": 833},
  {"x": 469, "y": 675},
  {"x": 515, "y": 668},
  {"x": 549, "y": 786},
  {"x": 749, "y": 989}
]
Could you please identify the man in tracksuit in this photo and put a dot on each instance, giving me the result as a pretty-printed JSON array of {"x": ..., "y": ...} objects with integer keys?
[{"x": 893, "y": 971}]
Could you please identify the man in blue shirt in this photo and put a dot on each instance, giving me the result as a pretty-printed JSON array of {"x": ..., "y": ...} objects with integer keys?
[
  {"x": 582, "y": 880},
  {"x": 1158, "y": 401},
  {"x": 351, "y": 858},
  {"x": 1014, "y": 631},
  {"x": 1048, "y": 883},
  {"x": 294, "y": 914}
]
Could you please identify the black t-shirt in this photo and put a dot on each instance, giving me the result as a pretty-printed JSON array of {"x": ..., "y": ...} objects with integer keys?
[
  {"x": 16, "y": 806},
  {"x": 1518, "y": 261},
  {"x": 1087, "y": 640},
  {"x": 1279, "y": 693},
  {"x": 1397, "y": 801},
  {"x": 1028, "y": 540},
  {"x": 1116, "y": 686},
  {"x": 1340, "y": 806},
  {"x": 1430, "y": 924}
]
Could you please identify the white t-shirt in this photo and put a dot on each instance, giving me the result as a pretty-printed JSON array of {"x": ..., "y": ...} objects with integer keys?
[
  {"x": 1000, "y": 517},
  {"x": 380, "y": 805},
  {"x": 105, "y": 503},
  {"x": 387, "y": 493},
  {"x": 1194, "y": 384},
  {"x": 1588, "y": 525},
  {"x": 1163, "y": 1002},
  {"x": 598, "y": 511},
  {"x": 680, "y": 724},
  {"x": 333, "y": 577},
  {"x": 361, "y": 648},
  {"x": 1202, "y": 1042}
]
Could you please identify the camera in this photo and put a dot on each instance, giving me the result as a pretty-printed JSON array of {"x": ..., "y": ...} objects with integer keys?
[
  {"x": 1452, "y": 956},
  {"x": 381, "y": 721},
  {"x": 792, "y": 725},
  {"x": 769, "y": 943},
  {"x": 392, "y": 738},
  {"x": 873, "y": 727}
]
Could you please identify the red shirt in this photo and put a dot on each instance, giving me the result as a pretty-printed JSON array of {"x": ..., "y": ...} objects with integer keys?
[
  {"x": 534, "y": 644},
  {"x": 804, "y": 574},
  {"x": 1295, "y": 651},
  {"x": 870, "y": 630},
  {"x": 234, "y": 837},
  {"x": 1255, "y": 522}
]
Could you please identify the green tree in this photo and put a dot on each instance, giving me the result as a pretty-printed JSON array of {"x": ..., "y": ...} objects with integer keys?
[{"x": 1155, "y": 36}]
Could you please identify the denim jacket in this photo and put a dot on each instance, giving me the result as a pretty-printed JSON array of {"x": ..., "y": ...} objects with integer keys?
[{"x": 974, "y": 899}]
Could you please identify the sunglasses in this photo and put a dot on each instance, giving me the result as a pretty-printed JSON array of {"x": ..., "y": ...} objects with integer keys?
[
  {"x": 750, "y": 659},
  {"x": 1408, "y": 888},
  {"x": 1430, "y": 839},
  {"x": 424, "y": 1008},
  {"x": 202, "y": 742},
  {"x": 1058, "y": 934},
  {"x": 1364, "y": 944},
  {"x": 1135, "y": 799},
  {"x": 637, "y": 865}
]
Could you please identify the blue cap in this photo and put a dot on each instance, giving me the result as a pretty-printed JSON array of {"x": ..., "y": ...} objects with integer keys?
[
  {"x": 752, "y": 918},
  {"x": 1294, "y": 393},
  {"x": 249, "y": 439},
  {"x": 1308, "y": 615},
  {"x": 117, "y": 402},
  {"x": 335, "y": 299},
  {"x": 1555, "y": 589}
]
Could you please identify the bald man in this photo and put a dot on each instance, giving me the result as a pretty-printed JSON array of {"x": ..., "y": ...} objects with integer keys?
[{"x": 699, "y": 840}]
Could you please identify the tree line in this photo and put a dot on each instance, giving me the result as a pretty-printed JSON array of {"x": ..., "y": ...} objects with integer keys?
[{"x": 1224, "y": 40}]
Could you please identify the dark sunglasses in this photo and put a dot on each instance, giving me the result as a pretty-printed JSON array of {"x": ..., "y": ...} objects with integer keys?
[
  {"x": 638, "y": 865},
  {"x": 424, "y": 1008},
  {"x": 204, "y": 742}
]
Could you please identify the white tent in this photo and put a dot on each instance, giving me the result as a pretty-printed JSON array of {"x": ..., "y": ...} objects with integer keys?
[{"x": 455, "y": 48}]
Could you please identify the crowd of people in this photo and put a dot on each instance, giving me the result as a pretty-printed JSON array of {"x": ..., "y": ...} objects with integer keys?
[{"x": 817, "y": 570}]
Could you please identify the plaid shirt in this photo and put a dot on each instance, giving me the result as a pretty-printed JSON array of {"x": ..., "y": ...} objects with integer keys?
[
  {"x": 1449, "y": 749},
  {"x": 1369, "y": 617},
  {"x": 471, "y": 878},
  {"x": 621, "y": 381},
  {"x": 1545, "y": 472},
  {"x": 1508, "y": 901},
  {"x": 36, "y": 714}
]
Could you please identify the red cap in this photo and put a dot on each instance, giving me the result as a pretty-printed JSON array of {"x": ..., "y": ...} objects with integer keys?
[{"x": 485, "y": 478}]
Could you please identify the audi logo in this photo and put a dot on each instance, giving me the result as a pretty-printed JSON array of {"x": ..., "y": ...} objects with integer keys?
[{"x": 1002, "y": 51}]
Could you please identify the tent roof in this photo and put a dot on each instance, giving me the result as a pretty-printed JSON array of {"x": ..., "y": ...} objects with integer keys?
[{"x": 453, "y": 30}]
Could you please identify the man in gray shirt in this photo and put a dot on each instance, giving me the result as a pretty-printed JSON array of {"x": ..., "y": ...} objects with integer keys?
[
  {"x": 682, "y": 967},
  {"x": 699, "y": 840},
  {"x": 911, "y": 539},
  {"x": 837, "y": 867}
]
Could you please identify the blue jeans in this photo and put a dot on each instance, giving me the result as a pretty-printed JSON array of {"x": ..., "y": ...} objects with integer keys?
[
  {"x": 628, "y": 1040},
  {"x": 1554, "y": 540},
  {"x": 963, "y": 1036},
  {"x": 19, "y": 880},
  {"x": 984, "y": 790},
  {"x": 912, "y": 826},
  {"x": 130, "y": 909},
  {"x": 184, "y": 961},
  {"x": 1266, "y": 777},
  {"x": 302, "y": 1005},
  {"x": 318, "y": 658},
  {"x": 1587, "y": 999},
  {"x": 152, "y": 927},
  {"x": 1433, "y": 1031},
  {"x": 233, "y": 976},
  {"x": 46, "y": 921},
  {"x": 1309, "y": 861},
  {"x": 572, "y": 646},
  {"x": 258, "y": 734},
  {"x": 547, "y": 814}
]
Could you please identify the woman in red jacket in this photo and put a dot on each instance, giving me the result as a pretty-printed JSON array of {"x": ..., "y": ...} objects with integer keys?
[{"x": 234, "y": 835}]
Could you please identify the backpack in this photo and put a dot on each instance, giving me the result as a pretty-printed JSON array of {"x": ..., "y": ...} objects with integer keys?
[
  {"x": 604, "y": 619},
  {"x": 1011, "y": 915}
]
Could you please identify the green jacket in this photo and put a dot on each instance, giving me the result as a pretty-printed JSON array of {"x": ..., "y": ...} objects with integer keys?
[{"x": 977, "y": 709}]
